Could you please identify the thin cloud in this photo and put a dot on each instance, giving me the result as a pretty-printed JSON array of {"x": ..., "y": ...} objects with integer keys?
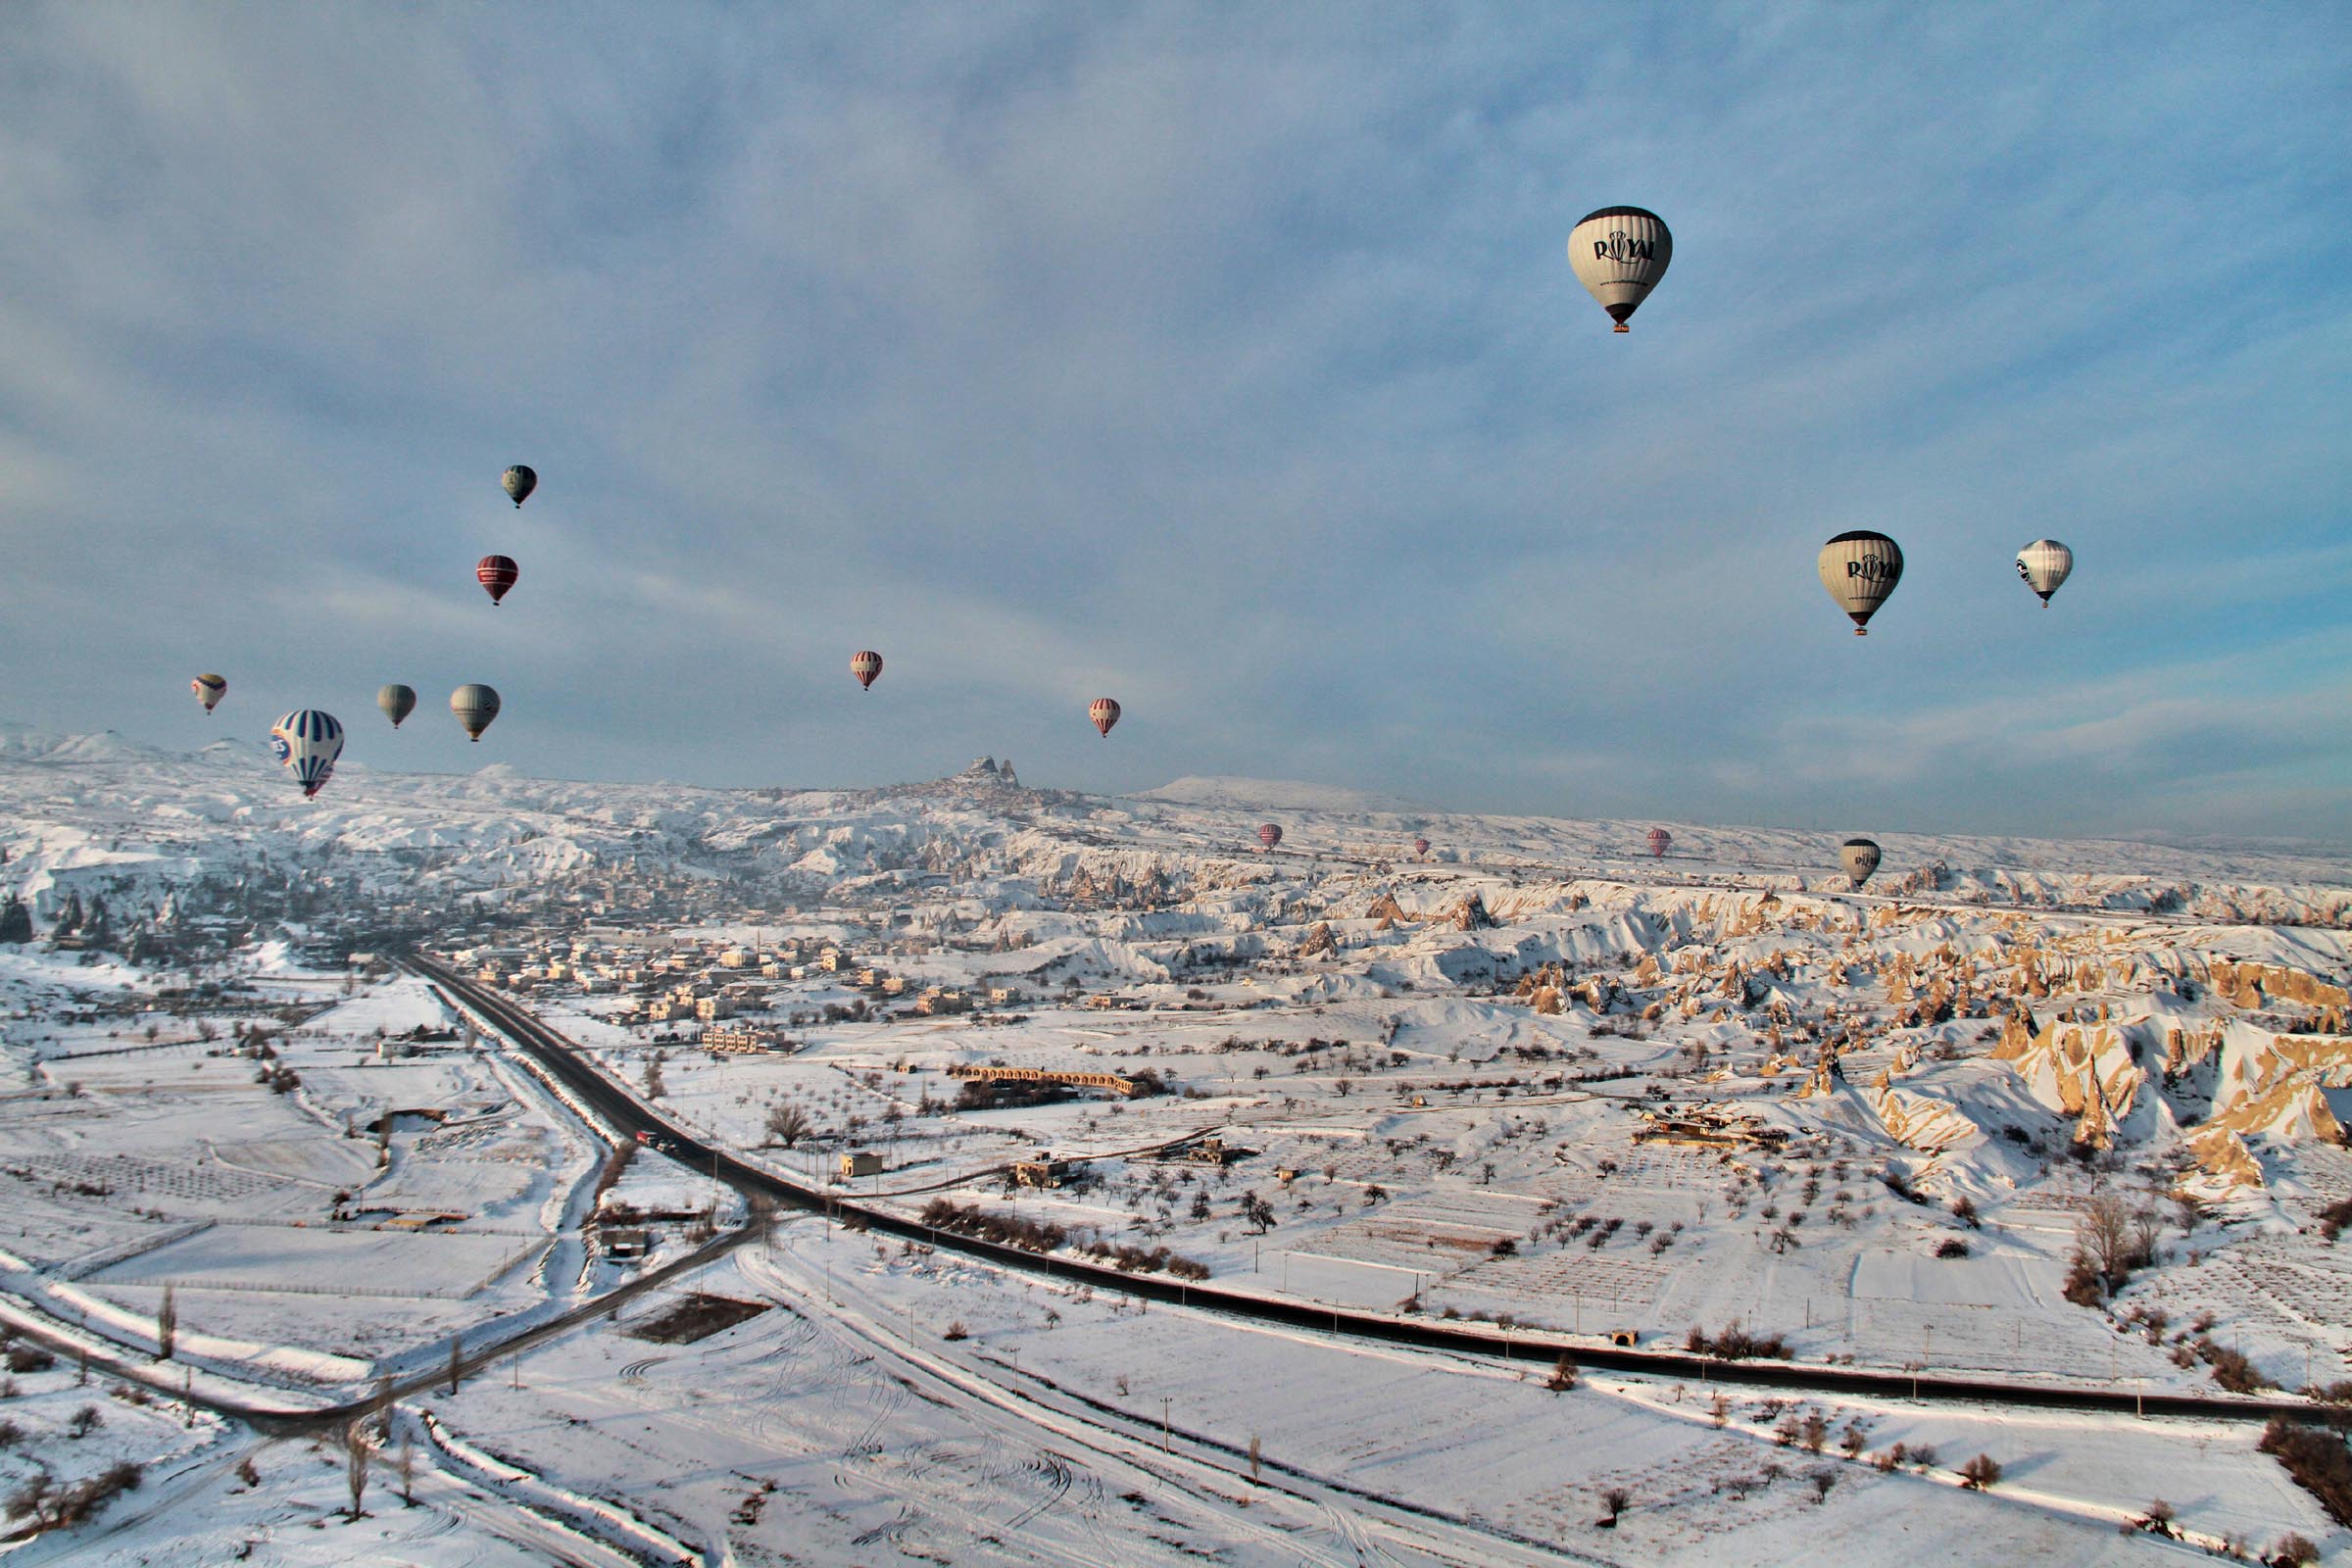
[{"x": 1229, "y": 359}]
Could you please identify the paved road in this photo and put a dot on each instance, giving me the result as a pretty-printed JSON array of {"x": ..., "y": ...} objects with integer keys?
[
  {"x": 284, "y": 1422},
  {"x": 562, "y": 1059}
]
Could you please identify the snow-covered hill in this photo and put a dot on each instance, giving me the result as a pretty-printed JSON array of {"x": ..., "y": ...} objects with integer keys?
[{"x": 102, "y": 810}]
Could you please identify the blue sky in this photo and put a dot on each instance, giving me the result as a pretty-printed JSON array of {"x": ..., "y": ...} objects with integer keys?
[{"x": 1222, "y": 358}]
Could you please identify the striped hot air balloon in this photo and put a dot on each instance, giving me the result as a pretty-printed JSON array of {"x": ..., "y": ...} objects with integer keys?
[
  {"x": 1859, "y": 857},
  {"x": 1104, "y": 713},
  {"x": 209, "y": 689},
  {"x": 518, "y": 482},
  {"x": 865, "y": 664},
  {"x": 1660, "y": 842},
  {"x": 1860, "y": 570},
  {"x": 313, "y": 740},
  {"x": 497, "y": 573},
  {"x": 1269, "y": 834},
  {"x": 1421, "y": 847},
  {"x": 474, "y": 705},
  {"x": 2045, "y": 565},
  {"x": 1619, "y": 254},
  {"x": 398, "y": 702}
]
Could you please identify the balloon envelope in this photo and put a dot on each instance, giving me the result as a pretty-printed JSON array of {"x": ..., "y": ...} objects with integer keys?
[
  {"x": 1269, "y": 834},
  {"x": 1860, "y": 570},
  {"x": 313, "y": 739},
  {"x": 281, "y": 740},
  {"x": 497, "y": 573},
  {"x": 475, "y": 706},
  {"x": 1860, "y": 858},
  {"x": 1420, "y": 845},
  {"x": 518, "y": 482},
  {"x": 398, "y": 702},
  {"x": 2045, "y": 565},
  {"x": 1619, "y": 254},
  {"x": 1660, "y": 839},
  {"x": 1104, "y": 713},
  {"x": 209, "y": 689},
  {"x": 865, "y": 666}
]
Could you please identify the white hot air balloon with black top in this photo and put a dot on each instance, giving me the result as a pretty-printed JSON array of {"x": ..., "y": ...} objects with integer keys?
[
  {"x": 1619, "y": 254},
  {"x": 2045, "y": 565},
  {"x": 1859, "y": 857},
  {"x": 1860, "y": 570}
]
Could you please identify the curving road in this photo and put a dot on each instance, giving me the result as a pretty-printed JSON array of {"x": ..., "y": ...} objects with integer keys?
[{"x": 628, "y": 1115}]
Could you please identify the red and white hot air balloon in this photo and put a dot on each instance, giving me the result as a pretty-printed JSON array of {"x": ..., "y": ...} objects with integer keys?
[
  {"x": 1659, "y": 841},
  {"x": 1421, "y": 847},
  {"x": 1104, "y": 711},
  {"x": 865, "y": 666},
  {"x": 1269, "y": 834},
  {"x": 497, "y": 573}
]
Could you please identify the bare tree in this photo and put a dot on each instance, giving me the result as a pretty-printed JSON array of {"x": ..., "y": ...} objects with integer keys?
[
  {"x": 358, "y": 1448},
  {"x": 2104, "y": 1234},
  {"x": 1615, "y": 1499},
  {"x": 788, "y": 1123},
  {"x": 408, "y": 1473},
  {"x": 1979, "y": 1473},
  {"x": 167, "y": 1325}
]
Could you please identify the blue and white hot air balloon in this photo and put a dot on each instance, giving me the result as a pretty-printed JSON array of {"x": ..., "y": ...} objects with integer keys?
[{"x": 313, "y": 739}]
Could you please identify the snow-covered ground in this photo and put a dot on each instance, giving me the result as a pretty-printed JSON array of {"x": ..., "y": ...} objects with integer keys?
[{"x": 1536, "y": 1077}]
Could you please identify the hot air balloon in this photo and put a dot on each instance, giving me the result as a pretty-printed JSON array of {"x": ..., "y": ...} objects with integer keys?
[
  {"x": 209, "y": 689},
  {"x": 475, "y": 706},
  {"x": 313, "y": 740},
  {"x": 1421, "y": 847},
  {"x": 518, "y": 482},
  {"x": 1860, "y": 858},
  {"x": 497, "y": 573},
  {"x": 865, "y": 666},
  {"x": 2045, "y": 565},
  {"x": 1269, "y": 834},
  {"x": 1104, "y": 713},
  {"x": 1659, "y": 840},
  {"x": 1860, "y": 570},
  {"x": 398, "y": 702},
  {"x": 1619, "y": 254},
  {"x": 281, "y": 739}
]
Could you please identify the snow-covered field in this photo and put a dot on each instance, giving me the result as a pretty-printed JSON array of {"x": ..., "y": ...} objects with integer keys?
[{"x": 1536, "y": 1077}]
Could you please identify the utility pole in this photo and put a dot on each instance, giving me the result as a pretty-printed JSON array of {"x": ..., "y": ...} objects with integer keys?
[{"x": 1163, "y": 1425}]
